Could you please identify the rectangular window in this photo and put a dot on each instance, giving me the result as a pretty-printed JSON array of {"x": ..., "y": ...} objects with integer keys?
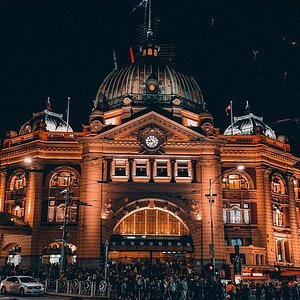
[
  {"x": 224, "y": 215},
  {"x": 151, "y": 222},
  {"x": 51, "y": 212},
  {"x": 162, "y": 169},
  {"x": 120, "y": 167},
  {"x": 73, "y": 214},
  {"x": 140, "y": 222},
  {"x": 236, "y": 241},
  {"x": 246, "y": 216},
  {"x": 141, "y": 168},
  {"x": 182, "y": 169}
]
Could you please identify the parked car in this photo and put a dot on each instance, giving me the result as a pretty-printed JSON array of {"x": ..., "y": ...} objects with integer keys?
[{"x": 21, "y": 285}]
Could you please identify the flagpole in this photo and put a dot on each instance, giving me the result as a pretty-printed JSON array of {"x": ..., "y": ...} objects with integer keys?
[
  {"x": 68, "y": 114},
  {"x": 149, "y": 30},
  {"x": 231, "y": 116}
]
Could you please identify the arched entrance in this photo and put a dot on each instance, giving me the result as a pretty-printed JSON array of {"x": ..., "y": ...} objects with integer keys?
[
  {"x": 13, "y": 254},
  {"x": 150, "y": 233},
  {"x": 52, "y": 253}
]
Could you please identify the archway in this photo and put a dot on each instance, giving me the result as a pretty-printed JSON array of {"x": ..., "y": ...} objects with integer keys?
[
  {"x": 150, "y": 233},
  {"x": 52, "y": 253},
  {"x": 13, "y": 254}
]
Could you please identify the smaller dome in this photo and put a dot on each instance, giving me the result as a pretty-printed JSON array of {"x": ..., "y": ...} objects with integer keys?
[
  {"x": 249, "y": 124},
  {"x": 46, "y": 120}
]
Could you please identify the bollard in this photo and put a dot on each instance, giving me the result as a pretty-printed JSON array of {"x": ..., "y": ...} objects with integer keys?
[
  {"x": 56, "y": 286},
  {"x": 93, "y": 289}
]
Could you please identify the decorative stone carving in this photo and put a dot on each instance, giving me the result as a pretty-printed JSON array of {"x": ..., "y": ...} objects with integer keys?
[
  {"x": 195, "y": 210},
  {"x": 127, "y": 101},
  {"x": 107, "y": 210},
  {"x": 96, "y": 126},
  {"x": 208, "y": 128},
  {"x": 176, "y": 102}
]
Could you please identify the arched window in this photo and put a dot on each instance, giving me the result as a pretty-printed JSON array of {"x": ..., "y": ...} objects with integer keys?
[
  {"x": 16, "y": 198},
  {"x": 277, "y": 216},
  {"x": 61, "y": 183},
  {"x": 235, "y": 182},
  {"x": 257, "y": 259},
  {"x": 18, "y": 181},
  {"x": 235, "y": 215},
  {"x": 149, "y": 221},
  {"x": 278, "y": 185}
]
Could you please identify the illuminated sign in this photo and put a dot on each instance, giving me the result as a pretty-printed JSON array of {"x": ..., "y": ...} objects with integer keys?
[{"x": 252, "y": 274}]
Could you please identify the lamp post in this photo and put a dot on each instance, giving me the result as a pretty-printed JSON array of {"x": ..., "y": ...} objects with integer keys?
[
  {"x": 64, "y": 229},
  {"x": 211, "y": 196}
]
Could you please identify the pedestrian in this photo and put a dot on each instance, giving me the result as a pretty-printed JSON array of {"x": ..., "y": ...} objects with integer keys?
[
  {"x": 295, "y": 291},
  {"x": 258, "y": 291}
]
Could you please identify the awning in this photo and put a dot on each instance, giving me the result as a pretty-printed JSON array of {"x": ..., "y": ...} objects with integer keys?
[{"x": 286, "y": 273}]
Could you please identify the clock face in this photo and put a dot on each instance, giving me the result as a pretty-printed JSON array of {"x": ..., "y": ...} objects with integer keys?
[{"x": 151, "y": 141}]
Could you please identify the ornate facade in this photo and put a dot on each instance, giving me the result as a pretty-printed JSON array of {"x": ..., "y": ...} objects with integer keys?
[{"x": 139, "y": 175}]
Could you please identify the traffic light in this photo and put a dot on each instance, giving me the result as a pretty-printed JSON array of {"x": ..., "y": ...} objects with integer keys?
[{"x": 209, "y": 270}]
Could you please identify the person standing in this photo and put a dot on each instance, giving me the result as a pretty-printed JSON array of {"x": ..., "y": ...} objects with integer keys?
[
  {"x": 295, "y": 291},
  {"x": 258, "y": 291}
]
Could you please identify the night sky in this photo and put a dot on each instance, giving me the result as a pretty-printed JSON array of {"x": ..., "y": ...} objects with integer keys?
[{"x": 236, "y": 50}]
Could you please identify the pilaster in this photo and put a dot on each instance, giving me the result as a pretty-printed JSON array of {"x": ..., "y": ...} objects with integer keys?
[
  {"x": 31, "y": 244},
  {"x": 264, "y": 213},
  {"x": 210, "y": 171},
  {"x": 293, "y": 222},
  {"x": 91, "y": 192},
  {"x": 3, "y": 176}
]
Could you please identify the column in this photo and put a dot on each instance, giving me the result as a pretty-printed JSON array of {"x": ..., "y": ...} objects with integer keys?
[
  {"x": 294, "y": 243},
  {"x": 108, "y": 170},
  {"x": 172, "y": 170},
  {"x": 130, "y": 162},
  {"x": 33, "y": 208},
  {"x": 265, "y": 214},
  {"x": 151, "y": 170},
  {"x": 89, "y": 231},
  {"x": 211, "y": 170},
  {"x": 194, "y": 174},
  {"x": 3, "y": 176}
]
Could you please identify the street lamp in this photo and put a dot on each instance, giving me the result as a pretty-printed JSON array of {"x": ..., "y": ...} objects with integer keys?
[
  {"x": 211, "y": 201},
  {"x": 64, "y": 228}
]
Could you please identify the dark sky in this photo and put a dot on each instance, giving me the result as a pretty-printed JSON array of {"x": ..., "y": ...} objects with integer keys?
[{"x": 64, "y": 48}]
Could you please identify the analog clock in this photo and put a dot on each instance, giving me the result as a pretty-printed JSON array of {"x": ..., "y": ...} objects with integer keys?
[{"x": 151, "y": 141}]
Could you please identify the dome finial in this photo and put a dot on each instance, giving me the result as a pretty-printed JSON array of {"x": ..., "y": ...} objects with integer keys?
[
  {"x": 247, "y": 108},
  {"x": 48, "y": 104}
]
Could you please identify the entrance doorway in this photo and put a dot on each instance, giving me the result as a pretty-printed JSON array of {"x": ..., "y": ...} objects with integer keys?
[{"x": 150, "y": 234}]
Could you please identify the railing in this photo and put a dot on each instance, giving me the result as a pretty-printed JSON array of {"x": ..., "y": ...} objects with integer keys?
[
  {"x": 239, "y": 194},
  {"x": 255, "y": 139},
  {"x": 86, "y": 288},
  {"x": 43, "y": 136}
]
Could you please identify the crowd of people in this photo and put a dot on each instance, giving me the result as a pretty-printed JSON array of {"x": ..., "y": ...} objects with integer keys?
[{"x": 175, "y": 280}]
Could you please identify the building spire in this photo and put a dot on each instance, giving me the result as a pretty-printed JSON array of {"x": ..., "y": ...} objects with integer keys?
[
  {"x": 48, "y": 104},
  {"x": 247, "y": 108}
]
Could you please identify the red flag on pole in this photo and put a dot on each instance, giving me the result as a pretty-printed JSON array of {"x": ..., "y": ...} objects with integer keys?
[{"x": 228, "y": 109}]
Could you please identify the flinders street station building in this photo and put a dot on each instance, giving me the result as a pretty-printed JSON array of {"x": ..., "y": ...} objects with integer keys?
[{"x": 150, "y": 177}]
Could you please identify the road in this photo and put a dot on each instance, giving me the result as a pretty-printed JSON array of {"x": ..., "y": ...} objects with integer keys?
[{"x": 46, "y": 297}]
